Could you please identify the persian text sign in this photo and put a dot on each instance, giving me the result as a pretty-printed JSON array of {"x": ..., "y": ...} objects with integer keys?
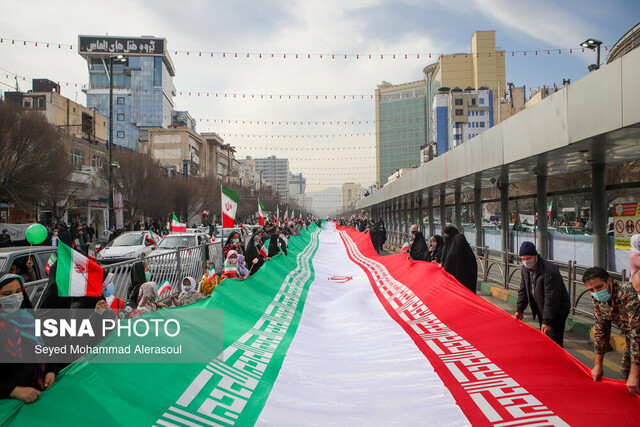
[{"x": 124, "y": 45}]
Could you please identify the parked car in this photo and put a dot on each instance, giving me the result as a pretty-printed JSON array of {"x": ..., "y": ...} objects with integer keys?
[
  {"x": 128, "y": 246},
  {"x": 175, "y": 241},
  {"x": 18, "y": 255},
  {"x": 223, "y": 234}
]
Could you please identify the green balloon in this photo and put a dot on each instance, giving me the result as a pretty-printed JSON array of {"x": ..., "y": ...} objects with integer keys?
[{"x": 36, "y": 234}]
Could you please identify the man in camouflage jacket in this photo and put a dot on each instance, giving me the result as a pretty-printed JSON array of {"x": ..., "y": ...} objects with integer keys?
[{"x": 615, "y": 303}]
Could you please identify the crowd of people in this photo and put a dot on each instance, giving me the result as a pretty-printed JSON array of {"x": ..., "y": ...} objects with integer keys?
[
  {"x": 543, "y": 291},
  {"x": 24, "y": 380}
]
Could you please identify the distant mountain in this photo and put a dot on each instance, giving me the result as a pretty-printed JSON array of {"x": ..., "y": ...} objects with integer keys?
[{"x": 327, "y": 201}]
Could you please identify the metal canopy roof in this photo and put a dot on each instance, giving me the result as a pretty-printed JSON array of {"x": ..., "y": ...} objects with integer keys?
[{"x": 594, "y": 120}]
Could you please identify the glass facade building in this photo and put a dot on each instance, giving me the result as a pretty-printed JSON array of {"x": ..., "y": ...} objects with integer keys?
[
  {"x": 143, "y": 91},
  {"x": 401, "y": 127}
]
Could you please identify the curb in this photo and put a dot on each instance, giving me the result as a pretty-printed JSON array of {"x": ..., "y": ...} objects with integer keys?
[{"x": 575, "y": 324}]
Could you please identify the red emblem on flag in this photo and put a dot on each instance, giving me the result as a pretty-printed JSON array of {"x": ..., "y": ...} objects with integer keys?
[
  {"x": 340, "y": 279},
  {"x": 228, "y": 206},
  {"x": 79, "y": 268}
]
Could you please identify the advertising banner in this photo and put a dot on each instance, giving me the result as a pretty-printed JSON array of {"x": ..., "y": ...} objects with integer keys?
[{"x": 626, "y": 223}]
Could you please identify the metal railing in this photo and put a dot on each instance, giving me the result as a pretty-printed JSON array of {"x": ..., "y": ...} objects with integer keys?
[
  {"x": 502, "y": 268},
  {"x": 171, "y": 265},
  {"x": 505, "y": 265}
]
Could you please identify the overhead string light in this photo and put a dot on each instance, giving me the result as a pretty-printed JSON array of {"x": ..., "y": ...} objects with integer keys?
[
  {"x": 253, "y": 96},
  {"x": 231, "y": 55}
]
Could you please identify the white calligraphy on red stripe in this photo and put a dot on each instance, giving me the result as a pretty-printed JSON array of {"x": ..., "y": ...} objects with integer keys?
[{"x": 500, "y": 398}]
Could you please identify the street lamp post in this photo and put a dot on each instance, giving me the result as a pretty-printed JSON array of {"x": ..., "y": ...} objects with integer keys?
[
  {"x": 260, "y": 190},
  {"x": 593, "y": 44},
  {"x": 118, "y": 58}
]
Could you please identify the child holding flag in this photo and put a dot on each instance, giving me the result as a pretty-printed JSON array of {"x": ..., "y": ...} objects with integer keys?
[
  {"x": 230, "y": 267},
  {"x": 209, "y": 281}
]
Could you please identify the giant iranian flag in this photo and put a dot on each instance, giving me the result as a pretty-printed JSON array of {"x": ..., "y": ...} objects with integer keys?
[
  {"x": 229, "y": 207},
  {"x": 337, "y": 335},
  {"x": 76, "y": 274}
]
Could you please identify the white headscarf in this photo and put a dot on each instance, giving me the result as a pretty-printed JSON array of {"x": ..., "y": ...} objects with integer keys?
[
  {"x": 191, "y": 287},
  {"x": 635, "y": 243},
  {"x": 147, "y": 297}
]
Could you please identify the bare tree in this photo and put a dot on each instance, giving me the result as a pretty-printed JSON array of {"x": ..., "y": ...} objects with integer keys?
[
  {"x": 139, "y": 179},
  {"x": 32, "y": 157}
]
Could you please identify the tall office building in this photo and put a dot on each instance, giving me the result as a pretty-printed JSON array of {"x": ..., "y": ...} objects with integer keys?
[
  {"x": 404, "y": 112},
  {"x": 351, "y": 193},
  {"x": 401, "y": 114},
  {"x": 484, "y": 66},
  {"x": 142, "y": 80},
  {"x": 460, "y": 115},
  {"x": 275, "y": 172}
]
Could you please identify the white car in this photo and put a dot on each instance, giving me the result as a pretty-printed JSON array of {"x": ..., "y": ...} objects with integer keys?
[
  {"x": 163, "y": 260},
  {"x": 128, "y": 246},
  {"x": 228, "y": 232}
]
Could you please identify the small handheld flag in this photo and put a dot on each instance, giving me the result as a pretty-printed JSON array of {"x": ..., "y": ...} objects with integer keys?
[
  {"x": 177, "y": 226},
  {"x": 115, "y": 303},
  {"x": 265, "y": 248},
  {"x": 77, "y": 275},
  {"x": 151, "y": 238},
  {"x": 50, "y": 262},
  {"x": 406, "y": 245},
  {"x": 211, "y": 272},
  {"x": 164, "y": 290}
]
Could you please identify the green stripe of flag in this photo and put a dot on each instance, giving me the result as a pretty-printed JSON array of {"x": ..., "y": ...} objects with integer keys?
[
  {"x": 232, "y": 194},
  {"x": 64, "y": 268},
  {"x": 245, "y": 304}
]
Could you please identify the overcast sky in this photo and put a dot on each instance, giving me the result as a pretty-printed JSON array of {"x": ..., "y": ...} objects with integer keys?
[{"x": 308, "y": 27}]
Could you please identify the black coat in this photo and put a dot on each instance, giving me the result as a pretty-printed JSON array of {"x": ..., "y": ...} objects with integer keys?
[
  {"x": 461, "y": 263},
  {"x": 137, "y": 279},
  {"x": 546, "y": 293},
  {"x": 26, "y": 374},
  {"x": 253, "y": 258},
  {"x": 436, "y": 253},
  {"x": 50, "y": 298},
  {"x": 418, "y": 250},
  {"x": 452, "y": 232},
  {"x": 65, "y": 237}
]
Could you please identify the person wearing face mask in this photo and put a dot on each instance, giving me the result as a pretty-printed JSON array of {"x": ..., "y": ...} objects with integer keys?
[
  {"x": 188, "y": 295},
  {"x": 254, "y": 259},
  {"x": 54, "y": 237},
  {"x": 448, "y": 234},
  {"x": 418, "y": 250},
  {"x": 233, "y": 243},
  {"x": 542, "y": 288},
  {"x": 461, "y": 263},
  {"x": 23, "y": 379},
  {"x": 435, "y": 249},
  {"x": 619, "y": 304},
  {"x": 230, "y": 267},
  {"x": 147, "y": 300}
]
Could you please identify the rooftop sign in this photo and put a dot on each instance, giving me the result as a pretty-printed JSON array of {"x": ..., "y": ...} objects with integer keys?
[{"x": 121, "y": 45}]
